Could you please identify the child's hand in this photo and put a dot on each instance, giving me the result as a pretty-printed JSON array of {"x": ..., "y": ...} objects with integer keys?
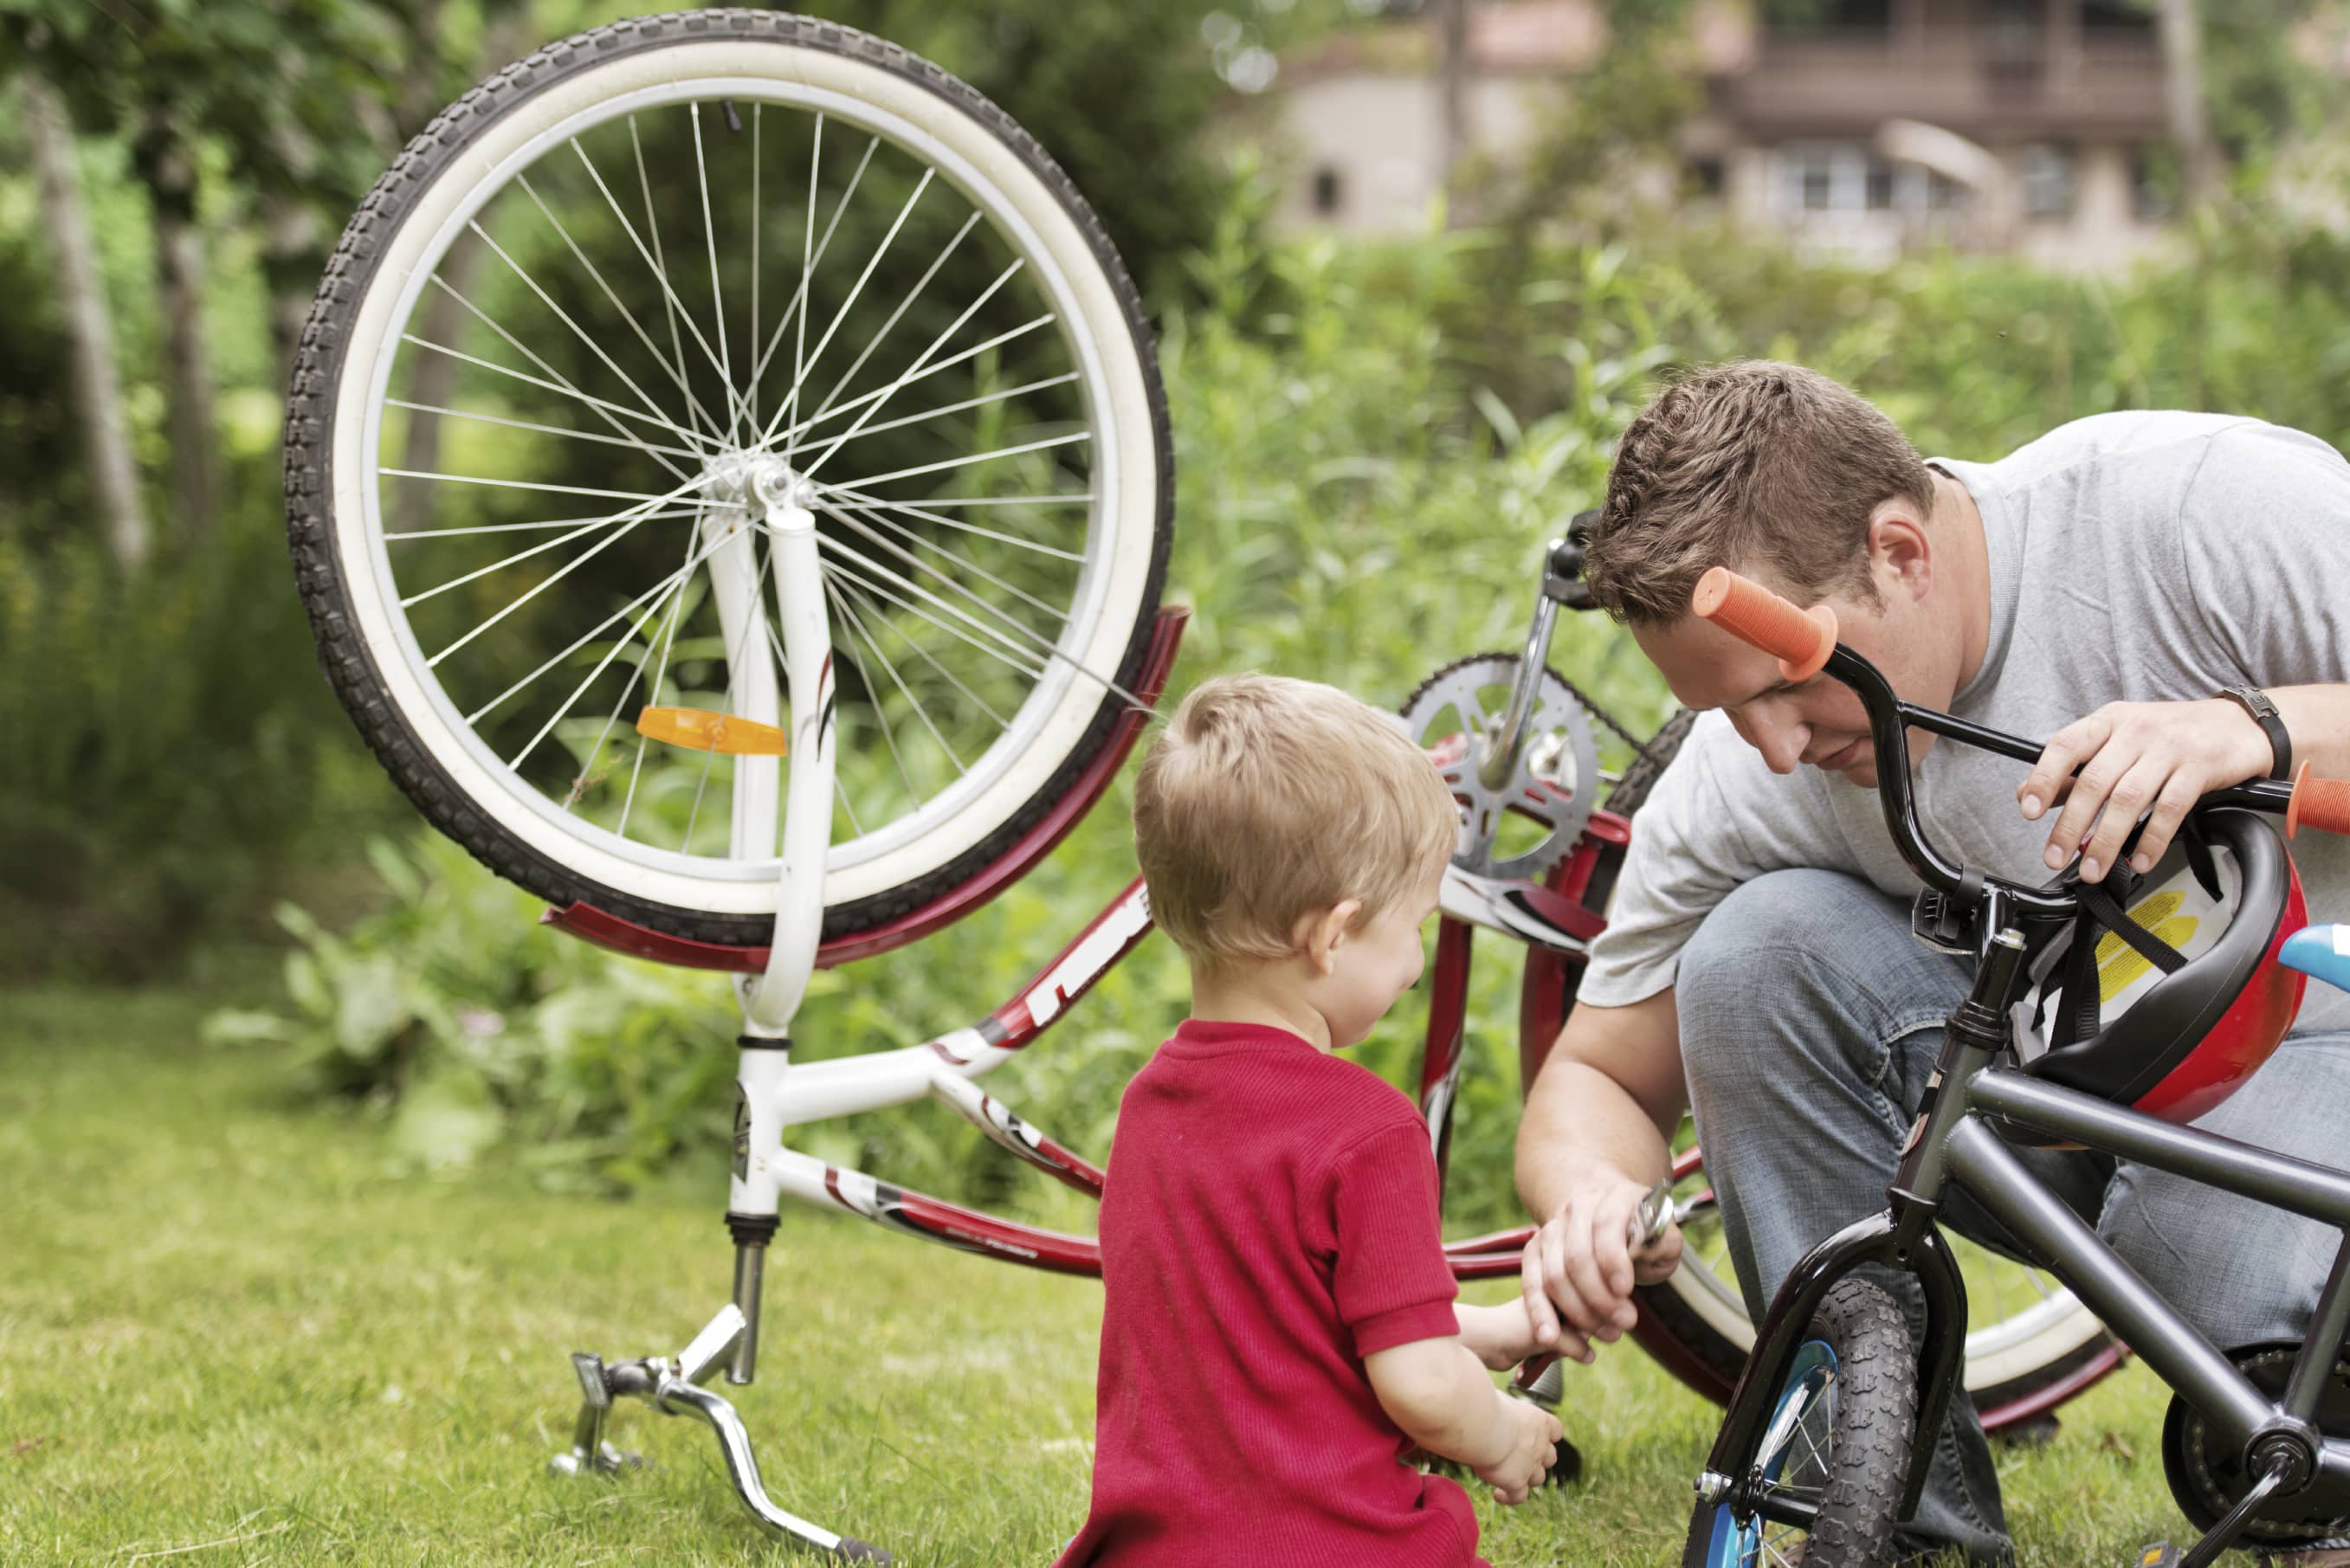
[
  {"x": 1501, "y": 1336},
  {"x": 1533, "y": 1433}
]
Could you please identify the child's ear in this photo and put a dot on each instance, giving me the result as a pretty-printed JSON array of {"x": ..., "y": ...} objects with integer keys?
[{"x": 1320, "y": 932}]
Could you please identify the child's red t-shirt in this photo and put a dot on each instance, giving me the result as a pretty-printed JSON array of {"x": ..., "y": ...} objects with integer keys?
[{"x": 1270, "y": 1219}]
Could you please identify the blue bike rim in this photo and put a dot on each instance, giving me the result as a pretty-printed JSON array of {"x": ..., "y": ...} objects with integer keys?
[{"x": 1738, "y": 1544}]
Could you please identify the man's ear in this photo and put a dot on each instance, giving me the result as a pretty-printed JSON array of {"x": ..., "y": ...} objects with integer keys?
[
  {"x": 1900, "y": 549},
  {"x": 1319, "y": 933}
]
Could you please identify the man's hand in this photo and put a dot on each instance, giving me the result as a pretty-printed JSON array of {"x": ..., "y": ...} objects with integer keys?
[
  {"x": 1581, "y": 1266},
  {"x": 2134, "y": 756},
  {"x": 1533, "y": 1434}
]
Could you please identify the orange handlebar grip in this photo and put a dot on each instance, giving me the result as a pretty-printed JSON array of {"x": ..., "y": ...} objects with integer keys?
[
  {"x": 2322, "y": 803},
  {"x": 1802, "y": 638},
  {"x": 698, "y": 730}
]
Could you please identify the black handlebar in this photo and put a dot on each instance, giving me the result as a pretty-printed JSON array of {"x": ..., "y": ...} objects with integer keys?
[{"x": 1889, "y": 721}]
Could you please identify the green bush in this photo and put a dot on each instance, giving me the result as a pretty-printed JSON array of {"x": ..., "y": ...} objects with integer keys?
[{"x": 172, "y": 752}]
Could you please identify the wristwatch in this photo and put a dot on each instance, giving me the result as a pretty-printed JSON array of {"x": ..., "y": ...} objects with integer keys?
[{"x": 2255, "y": 701}]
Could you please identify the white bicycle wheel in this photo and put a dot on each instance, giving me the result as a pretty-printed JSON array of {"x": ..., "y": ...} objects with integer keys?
[{"x": 596, "y": 300}]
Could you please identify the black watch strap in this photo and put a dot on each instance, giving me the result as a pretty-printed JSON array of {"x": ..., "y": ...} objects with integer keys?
[{"x": 2256, "y": 702}]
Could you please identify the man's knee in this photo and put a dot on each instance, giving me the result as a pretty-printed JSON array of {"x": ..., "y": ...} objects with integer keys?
[
  {"x": 1743, "y": 954},
  {"x": 1793, "y": 964}
]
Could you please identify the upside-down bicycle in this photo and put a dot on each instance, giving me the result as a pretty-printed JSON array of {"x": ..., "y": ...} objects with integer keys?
[{"x": 855, "y": 609}]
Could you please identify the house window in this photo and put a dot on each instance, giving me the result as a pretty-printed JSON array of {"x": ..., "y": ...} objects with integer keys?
[
  {"x": 2048, "y": 176},
  {"x": 1829, "y": 177},
  {"x": 1327, "y": 191},
  {"x": 1705, "y": 176}
]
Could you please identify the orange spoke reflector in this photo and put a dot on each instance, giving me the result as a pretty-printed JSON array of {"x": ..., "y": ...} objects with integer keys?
[{"x": 700, "y": 730}]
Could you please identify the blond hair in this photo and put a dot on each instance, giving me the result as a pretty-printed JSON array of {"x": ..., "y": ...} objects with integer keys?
[
  {"x": 1751, "y": 464},
  {"x": 1266, "y": 798}
]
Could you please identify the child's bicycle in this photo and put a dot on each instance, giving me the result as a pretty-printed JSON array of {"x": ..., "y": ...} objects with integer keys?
[
  {"x": 1816, "y": 1443},
  {"x": 731, "y": 485}
]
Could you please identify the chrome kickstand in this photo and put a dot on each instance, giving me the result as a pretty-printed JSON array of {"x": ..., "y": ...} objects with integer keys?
[{"x": 674, "y": 1388}]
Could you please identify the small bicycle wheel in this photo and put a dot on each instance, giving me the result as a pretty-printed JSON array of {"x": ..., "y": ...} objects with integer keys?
[
  {"x": 602, "y": 309},
  {"x": 2032, "y": 1344},
  {"x": 1837, "y": 1444}
]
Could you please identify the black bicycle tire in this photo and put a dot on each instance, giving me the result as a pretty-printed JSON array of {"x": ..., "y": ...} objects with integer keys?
[
  {"x": 1868, "y": 1461},
  {"x": 343, "y": 655}
]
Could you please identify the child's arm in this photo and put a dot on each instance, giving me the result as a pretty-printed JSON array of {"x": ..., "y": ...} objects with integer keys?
[
  {"x": 1500, "y": 1337},
  {"x": 1438, "y": 1392}
]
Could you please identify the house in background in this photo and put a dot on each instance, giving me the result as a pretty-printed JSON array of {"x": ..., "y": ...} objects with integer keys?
[{"x": 2022, "y": 126}]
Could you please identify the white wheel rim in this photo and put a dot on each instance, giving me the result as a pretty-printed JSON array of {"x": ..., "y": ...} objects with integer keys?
[{"x": 1031, "y": 222}]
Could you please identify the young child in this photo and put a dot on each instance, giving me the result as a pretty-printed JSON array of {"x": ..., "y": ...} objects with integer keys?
[{"x": 1279, "y": 1329}]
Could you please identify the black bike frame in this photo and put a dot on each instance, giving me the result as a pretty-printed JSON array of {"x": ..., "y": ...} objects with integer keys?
[{"x": 1955, "y": 1143}]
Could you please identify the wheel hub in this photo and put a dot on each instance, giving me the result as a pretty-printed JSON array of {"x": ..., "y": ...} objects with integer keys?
[{"x": 744, "y": 480}]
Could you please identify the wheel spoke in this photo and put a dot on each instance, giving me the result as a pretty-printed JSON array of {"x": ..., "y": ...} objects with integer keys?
[
  {"x": 967, "y": 403},
  {"x": 872, "y": 398},
  {"x": 912, "y": 374},
  {"x": 852, "y": 557},
  {"x": 578, "y": 331},
  {"x": 546, "y": 583},
  {"x": 800, "y": 372},
  {"x": 799, "y": 298},
  {"x": 676, "y": 370},
  {"x": 937, "y": 368},
  {"x": 612, "y": 412},
  {"x": 478, "y": 714},
  {"x": 975, "y": 457},
  {"x": 676, "y": 587},
  {"x": 807, "y": 266},
  {"x": 543, "y": 430},
  {"x": 717, "y": 296},
  {"x": 849, "y": 513},
  {"x": 658, "y": 260},
  {"x": 862, "y": 499},
  {"x": 653, "y": 691},
  {"x": 589, "y": 526},
  {"x": 848, "y": 619},
  {"x": 877, "y": 589},
  {"x": 758, "y": 222},
  {"x": 517, "y": 527},
  {"x": 640, "y": 495},
  {"x": 1047, "y": 649},
  {"x": 849, "y": 591}
]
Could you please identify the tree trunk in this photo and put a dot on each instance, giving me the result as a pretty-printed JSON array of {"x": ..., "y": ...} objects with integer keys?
[
  {"x": 167, "y": 166},
  {"x": 97, "y": 394},
  {"x": 2182, "y": 50},
  {"x": 1452, "y": 84}
]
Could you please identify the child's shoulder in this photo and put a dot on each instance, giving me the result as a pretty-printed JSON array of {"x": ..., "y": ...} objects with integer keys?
[{"x": 1274, "y": 1075}]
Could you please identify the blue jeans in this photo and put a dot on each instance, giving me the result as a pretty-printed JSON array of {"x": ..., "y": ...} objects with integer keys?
[{"x": 1810, "y": 1023}]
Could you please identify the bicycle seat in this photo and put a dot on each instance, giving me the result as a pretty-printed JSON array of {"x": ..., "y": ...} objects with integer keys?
[{"x": 2321, "y": 951}]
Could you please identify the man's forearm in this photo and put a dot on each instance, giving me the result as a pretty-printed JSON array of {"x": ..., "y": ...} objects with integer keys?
[
  {"x": 1578, "y": 1118},
  {"x": 2318, "y": 720}
]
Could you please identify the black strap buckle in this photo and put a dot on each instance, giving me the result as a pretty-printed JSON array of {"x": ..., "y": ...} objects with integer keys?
[{"x": 1945, "y": 921}]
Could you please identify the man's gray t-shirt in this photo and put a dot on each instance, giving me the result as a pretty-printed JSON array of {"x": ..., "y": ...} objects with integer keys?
[{"x": 2133, "y": 557}]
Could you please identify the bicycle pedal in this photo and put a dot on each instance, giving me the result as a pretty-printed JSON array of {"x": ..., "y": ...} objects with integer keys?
[{"x": 2158, "y": 1554}]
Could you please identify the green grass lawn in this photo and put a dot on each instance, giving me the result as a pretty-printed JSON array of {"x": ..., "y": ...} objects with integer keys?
[{"x": 232, "y": 1332}]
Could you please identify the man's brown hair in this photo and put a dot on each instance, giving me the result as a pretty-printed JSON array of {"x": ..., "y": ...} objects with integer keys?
[{"x": 1754, "y": 465}]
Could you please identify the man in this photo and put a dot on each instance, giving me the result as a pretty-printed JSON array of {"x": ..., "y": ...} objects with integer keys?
[{"x": 2102, "y": 587}]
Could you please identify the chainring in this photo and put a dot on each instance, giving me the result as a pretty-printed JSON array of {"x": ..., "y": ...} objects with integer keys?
[
  {"x": 2208, "y": 1479},
  {"x": 1556, "y": 784}
]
